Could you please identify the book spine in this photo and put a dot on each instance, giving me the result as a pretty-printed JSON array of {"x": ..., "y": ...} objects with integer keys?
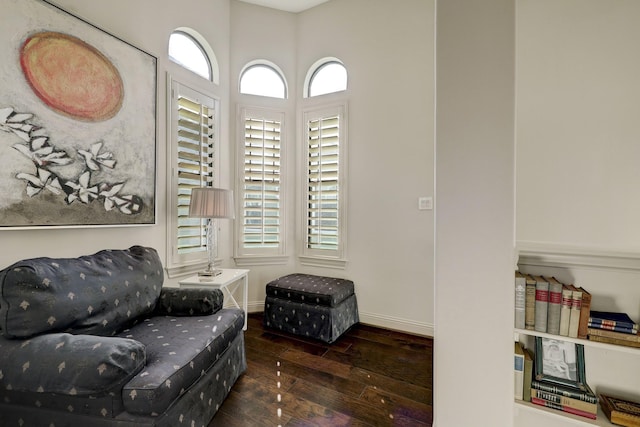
[
  {"x": 542, "y": 304},
  {"x": 585, "y": 309},
  {"x": 613, "y": 334},
  {"x": 565, "y": 311},
  {"x": 615, "y": 341},
  {"x": 565, "y": 401},
  {"x": 553, "y": 311},
  {"x": 614, "y": 328},
  {"x": 563, "y": 408},
  {"x": 518, "y": 371},
  {"x": 576, "y": 307},
  {"x": 530, "y": 304},
  {"x": 528, "y": 375},
  {"x": 564, "y": 391},
  {"x": 612, "y": 323},
  {"x": 520, "y": 302}
]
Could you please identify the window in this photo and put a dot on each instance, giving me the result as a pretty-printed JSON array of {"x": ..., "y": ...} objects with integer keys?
[
  {"x": 194, "y": 132},
  {"x": 192, "y": 129},
  {"x": 186, "y": 51},
  {"x": 261, "y": 229},
  {"x": 326, "y": 76},
  {"x": 325, "y": 189},
  {"x": 262, "y": 80}
]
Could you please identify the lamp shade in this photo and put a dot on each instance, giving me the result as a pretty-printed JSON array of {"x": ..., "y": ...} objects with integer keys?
[{"x": 209, "y": 202}]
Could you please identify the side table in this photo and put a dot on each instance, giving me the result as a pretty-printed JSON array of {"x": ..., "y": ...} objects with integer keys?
[{"x": 228, "y": 282}]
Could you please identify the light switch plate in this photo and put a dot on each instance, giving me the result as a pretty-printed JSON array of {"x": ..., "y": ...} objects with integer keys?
[{"x": 425, "y": 203}]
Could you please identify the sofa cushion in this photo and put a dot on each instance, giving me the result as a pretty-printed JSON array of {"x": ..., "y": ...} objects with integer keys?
[
  {"x": 189, "y": 302},
  {"x": 75, "y": 365},
  {"x": 310, "y": 289},
  {"x": 94, "y": 294},
  {"x": 179, "y": 351}
]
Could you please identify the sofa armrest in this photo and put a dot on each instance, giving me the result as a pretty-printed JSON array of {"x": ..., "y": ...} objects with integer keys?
[
  {"x": 189, "y": 302},
  {"x": 75, "y": 365}
]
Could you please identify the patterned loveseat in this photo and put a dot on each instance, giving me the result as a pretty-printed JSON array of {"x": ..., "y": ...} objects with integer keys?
[{"x": 97, "y": 341}]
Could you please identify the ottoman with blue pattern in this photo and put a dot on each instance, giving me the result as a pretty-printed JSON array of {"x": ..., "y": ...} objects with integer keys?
[{"x": 312, "y": 306}]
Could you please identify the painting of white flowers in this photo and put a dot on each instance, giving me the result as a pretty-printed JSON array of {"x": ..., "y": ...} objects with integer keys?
[{"x": 77, "y": 123}]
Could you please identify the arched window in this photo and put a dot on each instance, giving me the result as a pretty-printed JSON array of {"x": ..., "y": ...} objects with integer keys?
[
  {"x": 326, "y": 76},
  {"x": 194, "y": 126},
  {"x": 187, "y": 51},
  {"x": 263, "y": 79}
]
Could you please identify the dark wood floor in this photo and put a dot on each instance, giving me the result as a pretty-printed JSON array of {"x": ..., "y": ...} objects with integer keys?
[{"x": 369, "y": 377}]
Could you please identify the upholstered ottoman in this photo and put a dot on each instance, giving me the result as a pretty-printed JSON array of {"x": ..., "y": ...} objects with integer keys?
[{"x": 311, "y": 306}]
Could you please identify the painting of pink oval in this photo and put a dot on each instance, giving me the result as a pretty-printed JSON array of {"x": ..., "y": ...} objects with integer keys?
[{"x": 71, "y": 76}]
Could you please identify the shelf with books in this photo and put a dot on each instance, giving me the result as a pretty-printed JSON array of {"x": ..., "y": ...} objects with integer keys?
[
  {"x": 588, "y": 343},
  {"x": 611, "y": 362}
]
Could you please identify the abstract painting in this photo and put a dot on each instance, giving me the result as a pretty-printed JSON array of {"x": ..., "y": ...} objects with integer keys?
[{"x": 77, "y": 122}]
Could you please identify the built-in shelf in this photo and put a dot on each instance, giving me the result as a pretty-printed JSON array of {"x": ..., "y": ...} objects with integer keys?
[
  {"x": 612, "y": 278},
  {"x": 594, "y": 344},
  {"x": 568, "y": 419}
]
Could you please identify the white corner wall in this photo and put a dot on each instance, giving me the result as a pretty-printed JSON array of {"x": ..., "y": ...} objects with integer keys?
[
  {"x": 390, "y": 60},
  {"x": 473, "y": 350}
]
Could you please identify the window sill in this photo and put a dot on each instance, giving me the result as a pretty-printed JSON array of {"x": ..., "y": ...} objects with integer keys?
[
  {"x": 316, "y": 261},
  {"x": 244, "y": 261}
]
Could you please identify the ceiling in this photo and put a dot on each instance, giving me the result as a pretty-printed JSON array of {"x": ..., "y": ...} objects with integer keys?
[{"x": 294, "y": 6}]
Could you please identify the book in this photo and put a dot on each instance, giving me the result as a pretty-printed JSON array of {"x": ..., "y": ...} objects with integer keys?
[
  {"x": 518, "y": 371},
  {"x": 612, "y": 334},
  {"x": 542, "y": 303},
  {"x": 620, "y": 411},
  {"x": 565, "y": 310},
  {"x": 613, "y": 319},
  {"x": 563, "y": 408},
  {"x": 528, "y": 375},
  {"x": 615, "y": 341},
  {"x": 520, "y": 295},
  {"x": 530, "y": 303},
  {"x": 605, "y": 327},
  {"x": 587, "y": 396},
  {"x": 566, "y": 401},
  {"x": 585, "y": 309},
  {"x": 576, "y": 307},
  {"x": 553, "y": 310}
]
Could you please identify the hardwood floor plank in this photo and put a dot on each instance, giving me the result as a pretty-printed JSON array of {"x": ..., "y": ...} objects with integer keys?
[
  {"x": 401, "y": 388},
  {"x": 411, "y": 366},
  {"x": 398, "y": 405},
  {"x": 325, "y": 377},
  {"x": 369, "y": 377},
  {"x": 372, "y": 414}
]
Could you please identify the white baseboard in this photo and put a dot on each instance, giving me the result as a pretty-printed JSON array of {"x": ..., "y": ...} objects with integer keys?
[
  {"x": 397, "y": 324},
  {"x": 387, "y": 322}
]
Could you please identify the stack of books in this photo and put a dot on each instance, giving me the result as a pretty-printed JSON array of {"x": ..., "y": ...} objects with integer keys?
[
  {"x": 613, "y": 328},
  {"x": 568, "y": 399}
]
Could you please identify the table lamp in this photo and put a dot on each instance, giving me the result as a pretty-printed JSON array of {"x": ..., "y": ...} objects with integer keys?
[{"x": 211, "y": 203}]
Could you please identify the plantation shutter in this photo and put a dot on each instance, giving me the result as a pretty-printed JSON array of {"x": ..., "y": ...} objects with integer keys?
[
  {"x": 322, "y": 182},
  {"x": 196, "y": 134},
  {"x": 261, "y": 187}
]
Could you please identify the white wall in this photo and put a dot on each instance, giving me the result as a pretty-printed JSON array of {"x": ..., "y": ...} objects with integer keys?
[
  {"x": 389, "y": 57},
  {"x": 577, "y": 130},
  {"x": 146, "y": 25},
  {"x": 473, "y": 359}
]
